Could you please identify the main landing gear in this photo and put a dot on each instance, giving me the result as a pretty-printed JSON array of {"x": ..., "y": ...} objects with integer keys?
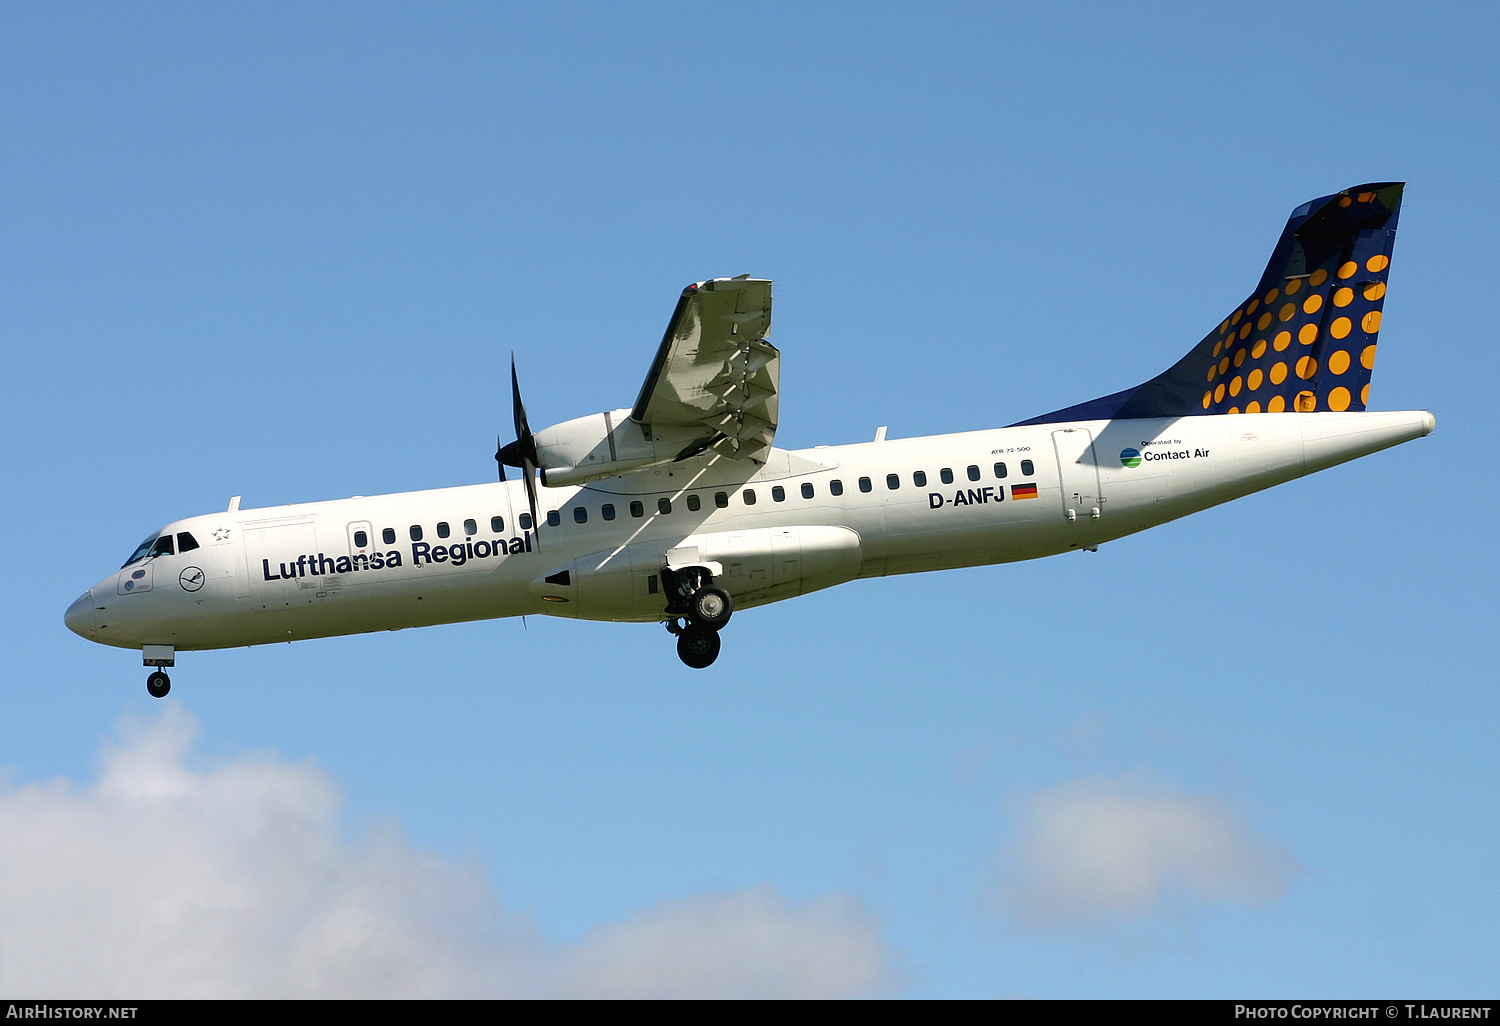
[
  {"x": 700, "y": 609},
  {"x": 158, "y": 684}
]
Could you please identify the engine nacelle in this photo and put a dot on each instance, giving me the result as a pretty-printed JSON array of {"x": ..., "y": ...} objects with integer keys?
[{"x": 606, "y": 445}]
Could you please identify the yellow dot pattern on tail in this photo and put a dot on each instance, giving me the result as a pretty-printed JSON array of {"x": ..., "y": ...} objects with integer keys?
[
  {"x": 1304, "y": 341},
  {"x": 1338, "y": 318}
]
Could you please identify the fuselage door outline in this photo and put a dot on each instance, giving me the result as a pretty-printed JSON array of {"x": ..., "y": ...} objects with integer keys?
[{"x": 1078, "y": 474}]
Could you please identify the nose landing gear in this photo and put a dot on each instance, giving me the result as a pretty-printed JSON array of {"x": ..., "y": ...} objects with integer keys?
[
  {"x": 704, "y": 606},
  {"x": 158, "y": 683}
]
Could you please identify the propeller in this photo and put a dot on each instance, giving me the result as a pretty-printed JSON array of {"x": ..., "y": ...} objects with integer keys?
[{"x": 522, "y": 452}]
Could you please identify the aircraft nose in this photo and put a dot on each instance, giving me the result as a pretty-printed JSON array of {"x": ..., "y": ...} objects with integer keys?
[{"x": 80, "y": 615}]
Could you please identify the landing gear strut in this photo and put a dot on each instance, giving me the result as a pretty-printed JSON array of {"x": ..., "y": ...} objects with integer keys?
[{"x": 704, "y": 606}]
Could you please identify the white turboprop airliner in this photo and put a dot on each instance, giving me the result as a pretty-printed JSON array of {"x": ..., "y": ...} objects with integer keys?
[{"x": 680, "y": 510}]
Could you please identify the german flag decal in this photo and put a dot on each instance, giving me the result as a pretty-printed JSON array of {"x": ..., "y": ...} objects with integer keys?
[{"x": 1023, "y": 491}]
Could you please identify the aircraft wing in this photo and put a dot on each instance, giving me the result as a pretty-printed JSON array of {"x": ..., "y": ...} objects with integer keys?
[{"x": 715, "y": 371}]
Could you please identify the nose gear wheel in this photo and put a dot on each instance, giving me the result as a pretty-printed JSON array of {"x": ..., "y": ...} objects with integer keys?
[{"x": 158, "y": 684}]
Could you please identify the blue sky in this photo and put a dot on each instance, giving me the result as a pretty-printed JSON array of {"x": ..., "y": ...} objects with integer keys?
[{"x": 285, "y": 252}]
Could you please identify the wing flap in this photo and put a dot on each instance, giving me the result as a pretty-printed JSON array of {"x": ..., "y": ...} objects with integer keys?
[{"x": 715, "y": 371}]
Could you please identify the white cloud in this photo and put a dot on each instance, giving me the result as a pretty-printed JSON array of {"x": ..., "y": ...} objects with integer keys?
[
  {"x": 164, "y": 880},
  {"x": 1103, "y": 851},
  {"x": 748, "y": 944}
]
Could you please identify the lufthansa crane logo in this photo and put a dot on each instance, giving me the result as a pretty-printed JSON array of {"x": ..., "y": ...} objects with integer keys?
[{"x": 191, "y": 579}]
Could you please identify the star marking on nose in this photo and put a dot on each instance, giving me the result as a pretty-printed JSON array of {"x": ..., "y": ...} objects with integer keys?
[{"x": 221, "y": 534}]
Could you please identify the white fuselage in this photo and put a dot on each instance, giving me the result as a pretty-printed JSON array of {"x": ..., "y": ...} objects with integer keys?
[{"x": 288, "y": 572}]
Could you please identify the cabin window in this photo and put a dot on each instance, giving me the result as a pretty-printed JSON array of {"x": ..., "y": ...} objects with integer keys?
[
  {"x": 946, "y": 474},
  {"x": 1001, "y": 470},
  {"x": 919, "y": 478},
  {"x": 721, "y": 500},
  {"x": 414, "y": 532},
  {"x": 187, "y": 543},
  {"x": 470, "y": 527},
  {"x": 443, "y": 531},
  {"x": 778, "y": 494},
  {"x": 893, "y": 481},
  {"x": 607, "y": 511},
  {"x": 554, "y": 518},
  {"x": 807, "y": 490},
  {"x": 1027, "y": 468},
  {"x": 973, "y": 472},
  {"x": 361, "y": 540},
  {"x": 865, "y": 485},
  {"x": 636, "y": 509},
  {"x": 694, "y": 503},
  {"x": 163, "y": 546},
  {"x": 836, "y": 487},
  {"x": 580, "y": 514},
  {"x": 525, "y": 519},
  {"x": 749, "y": 496},
  {"x": 388, "y": 535},
  {"x": 664, "y": 505},
  {"x": 497, "y": 524}
]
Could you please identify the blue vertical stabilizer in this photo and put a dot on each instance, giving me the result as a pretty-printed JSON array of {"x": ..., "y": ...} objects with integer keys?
[{"x": 1302, "y": 341}]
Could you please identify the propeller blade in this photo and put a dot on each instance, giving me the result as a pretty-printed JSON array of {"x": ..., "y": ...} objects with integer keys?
[
  {"x": 524, "y": 450},
  {"x": 517, "y": 453},
  {"x": 525, "y": 443},
  {"x": 528, "y": 474}
]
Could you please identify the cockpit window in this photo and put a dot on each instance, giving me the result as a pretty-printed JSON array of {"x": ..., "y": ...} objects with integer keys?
[
  {"x": 156, "y": 546},
  {"x": 186, "y": 542},
  {"x": 141, "y": 550}
]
